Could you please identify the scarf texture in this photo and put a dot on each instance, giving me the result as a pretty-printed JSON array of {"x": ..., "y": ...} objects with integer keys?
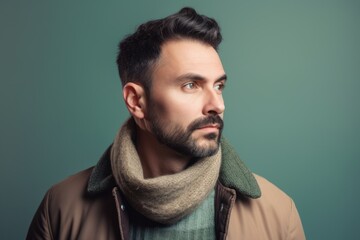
[{"x": 165, "y": 199}]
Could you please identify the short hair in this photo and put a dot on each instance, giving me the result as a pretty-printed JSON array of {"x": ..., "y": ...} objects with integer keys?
[{"x": 139, "y": 51}]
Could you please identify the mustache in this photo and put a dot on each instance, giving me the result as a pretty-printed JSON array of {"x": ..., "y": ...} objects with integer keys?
[{"x": 212, "y": 119}]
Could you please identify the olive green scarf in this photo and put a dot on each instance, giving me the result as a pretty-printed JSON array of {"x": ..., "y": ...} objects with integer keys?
[{"x": 165, "y": 199}]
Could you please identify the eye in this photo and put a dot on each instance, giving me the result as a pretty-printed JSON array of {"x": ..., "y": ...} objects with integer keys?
[
  {"x": 219, "y": 86},
  {"x": 190, "y": 85}
]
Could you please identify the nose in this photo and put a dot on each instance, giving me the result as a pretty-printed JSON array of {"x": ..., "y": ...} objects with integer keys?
[{"x": 214, "y": 103}]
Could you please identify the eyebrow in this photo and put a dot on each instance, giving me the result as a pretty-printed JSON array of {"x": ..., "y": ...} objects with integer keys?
[{"x": 197, "y": 77}]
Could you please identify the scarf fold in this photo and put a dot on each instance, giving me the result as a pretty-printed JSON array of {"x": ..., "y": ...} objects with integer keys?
[{"x": 165, "y": 199}]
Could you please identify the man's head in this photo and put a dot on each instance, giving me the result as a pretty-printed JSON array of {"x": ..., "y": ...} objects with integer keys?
[
  {"x": 173, "y": 79},
  {"x": 139, "y": 52}
]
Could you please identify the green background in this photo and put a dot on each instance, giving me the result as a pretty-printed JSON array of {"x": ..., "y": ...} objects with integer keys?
[{"x": 292, "y": 99}]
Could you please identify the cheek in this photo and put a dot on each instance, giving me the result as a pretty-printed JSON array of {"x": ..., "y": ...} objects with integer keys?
[
  {"x": 176, "y": 107},
  {"x": 157, "y": 108},
  {"x": 173, "y": 112},
  {"x": 156, "y": 105}
]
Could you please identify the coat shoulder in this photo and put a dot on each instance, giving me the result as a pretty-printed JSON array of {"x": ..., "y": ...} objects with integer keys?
[
  {"x": 73, "y": 186},
  {"x": 271, "y": 193},
  {"x": 68, "y": 211},
  {"x": 271, "y": 216}
]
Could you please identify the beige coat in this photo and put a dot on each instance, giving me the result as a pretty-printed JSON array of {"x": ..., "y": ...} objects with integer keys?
[
  {"x": 89, "y": 205},
  {"x": 272, "y": 216}
]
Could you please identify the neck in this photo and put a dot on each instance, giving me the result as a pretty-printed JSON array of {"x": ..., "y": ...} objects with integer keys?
[{"x": 156, "y": 158}]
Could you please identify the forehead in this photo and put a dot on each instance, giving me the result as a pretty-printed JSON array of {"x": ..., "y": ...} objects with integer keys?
[{"x": 188, "y": 56}]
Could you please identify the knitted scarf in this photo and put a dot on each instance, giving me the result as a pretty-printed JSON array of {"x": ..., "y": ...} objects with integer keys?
[{"x": 165, "y": 199}]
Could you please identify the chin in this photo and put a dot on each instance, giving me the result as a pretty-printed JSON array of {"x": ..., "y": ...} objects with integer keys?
[
  {"x": 207, "y": 147},
  {"x": 212, "y": 137}
]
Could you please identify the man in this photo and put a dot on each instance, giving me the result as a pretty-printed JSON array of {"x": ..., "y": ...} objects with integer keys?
[{"x": 169, "y": 173}]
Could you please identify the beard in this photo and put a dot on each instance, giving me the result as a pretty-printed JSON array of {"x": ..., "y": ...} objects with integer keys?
[{"x": 182, "y": 141}]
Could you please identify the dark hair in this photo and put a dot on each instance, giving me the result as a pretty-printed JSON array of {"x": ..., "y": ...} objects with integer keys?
[{"x": 139, "y": 52}]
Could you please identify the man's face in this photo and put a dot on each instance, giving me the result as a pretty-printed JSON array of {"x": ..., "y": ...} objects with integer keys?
[{"x": 185, "y": 107}]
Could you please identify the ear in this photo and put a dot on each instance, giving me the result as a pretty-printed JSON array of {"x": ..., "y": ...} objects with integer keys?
[{"x": 134, "y": 97}]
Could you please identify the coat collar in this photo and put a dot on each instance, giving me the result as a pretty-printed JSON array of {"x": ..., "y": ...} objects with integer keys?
[{"x": 233, "y": 174}]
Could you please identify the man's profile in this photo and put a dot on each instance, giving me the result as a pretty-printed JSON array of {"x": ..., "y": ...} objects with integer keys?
[{"x": 169, "y": 172}]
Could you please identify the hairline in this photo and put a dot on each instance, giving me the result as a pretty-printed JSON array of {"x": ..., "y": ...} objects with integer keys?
[{"x": 155, "y": 62}]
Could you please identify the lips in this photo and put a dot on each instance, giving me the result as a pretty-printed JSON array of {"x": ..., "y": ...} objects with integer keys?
[{"x": 217, "y": 126}]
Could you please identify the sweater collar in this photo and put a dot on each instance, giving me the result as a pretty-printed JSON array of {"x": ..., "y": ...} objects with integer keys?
[{"x": 233, "y": 174}]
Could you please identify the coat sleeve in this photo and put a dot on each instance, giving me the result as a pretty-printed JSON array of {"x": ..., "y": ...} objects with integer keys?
[
  {"x": 40, "y": 226},
  {"x": 295, "y": 228}
]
